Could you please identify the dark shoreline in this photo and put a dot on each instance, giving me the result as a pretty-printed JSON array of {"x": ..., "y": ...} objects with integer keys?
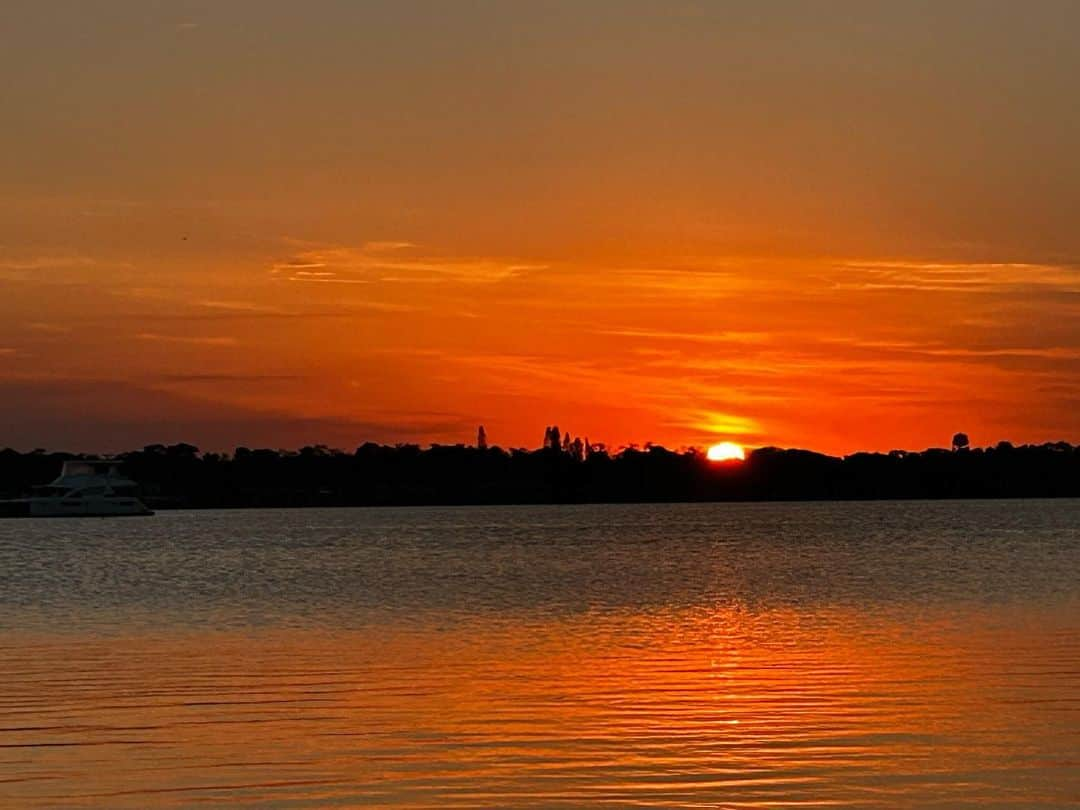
[{"x": 179, "y": 476}]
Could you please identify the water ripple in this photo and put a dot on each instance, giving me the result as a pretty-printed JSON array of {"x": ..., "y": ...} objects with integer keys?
[{"x": 870, "y": 656}]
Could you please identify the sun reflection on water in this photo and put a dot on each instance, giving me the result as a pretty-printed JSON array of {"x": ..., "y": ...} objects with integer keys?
[{"x": 711, "y": 705}]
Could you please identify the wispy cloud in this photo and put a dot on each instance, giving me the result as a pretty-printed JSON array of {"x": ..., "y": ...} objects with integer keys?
[
  {"x": 970, "y": 277},
  {"x": 326, "y": 278},
  {"x": 191, "y": 339},
  {"x": 940, "y": 349},
  {"x": 387, "y": 246},
  {"x": 691, "y": 337},
  {"x": 621, "y": 284},
  {"x": 382, "y": 306},
  {"x": 380, "y": 262},
  {"x": 226, "y": 378},
  {"x": 50, "y": 262},
  {"x": 240, "y": 306},
  {"x": 721, "y": 424},
  {"x": 1043, "y": 352},
  {"x": 54, "y": 268},
  {"x": 296, "y": 265},
  {"x": 48, "y": 328}
]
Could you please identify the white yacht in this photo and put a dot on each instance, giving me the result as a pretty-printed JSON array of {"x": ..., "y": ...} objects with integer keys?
[{"x": 87, "y": 488}]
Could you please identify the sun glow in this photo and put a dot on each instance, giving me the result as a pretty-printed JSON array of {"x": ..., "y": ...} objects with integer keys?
[{"x": 726, "y": 451}]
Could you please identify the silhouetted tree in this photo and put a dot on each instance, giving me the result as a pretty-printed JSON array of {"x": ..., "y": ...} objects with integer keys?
[
  {"x": 179, "y": 475},
  {"x": 481, "y": 438},
  {"x": 960, "y": 442},
  {"x": 552, "y": 438}
]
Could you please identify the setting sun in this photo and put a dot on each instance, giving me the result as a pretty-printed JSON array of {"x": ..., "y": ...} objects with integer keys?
[{"x": 726, "y": 451}]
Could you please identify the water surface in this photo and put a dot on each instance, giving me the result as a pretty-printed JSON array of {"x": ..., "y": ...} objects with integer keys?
[{"x": 770, "y": 655}]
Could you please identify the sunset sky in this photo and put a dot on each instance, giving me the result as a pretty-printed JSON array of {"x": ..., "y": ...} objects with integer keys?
[{"x": 834, "y": 225}]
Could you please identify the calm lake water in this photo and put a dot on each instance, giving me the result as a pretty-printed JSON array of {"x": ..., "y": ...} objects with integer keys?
[{"x": 886, "y": 655}]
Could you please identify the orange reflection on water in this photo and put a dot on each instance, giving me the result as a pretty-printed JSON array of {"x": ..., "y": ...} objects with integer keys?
[{"x": 722, "y": 707}]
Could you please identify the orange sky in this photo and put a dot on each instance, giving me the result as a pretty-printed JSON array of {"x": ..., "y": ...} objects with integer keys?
[{"x": 846, "y": 229}]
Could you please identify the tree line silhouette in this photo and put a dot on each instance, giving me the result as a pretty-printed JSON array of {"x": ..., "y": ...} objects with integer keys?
[{"x": 564, "y": 470}]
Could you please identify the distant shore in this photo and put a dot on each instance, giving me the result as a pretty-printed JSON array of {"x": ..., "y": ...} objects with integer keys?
[{"x": 179, "y": 476}]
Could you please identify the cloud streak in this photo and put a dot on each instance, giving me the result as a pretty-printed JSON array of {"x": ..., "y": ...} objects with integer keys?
[
  {"x": 194, "y": 340},
  {"x": 380, "y": 262},
  {"x": 972, "y": 277}
]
